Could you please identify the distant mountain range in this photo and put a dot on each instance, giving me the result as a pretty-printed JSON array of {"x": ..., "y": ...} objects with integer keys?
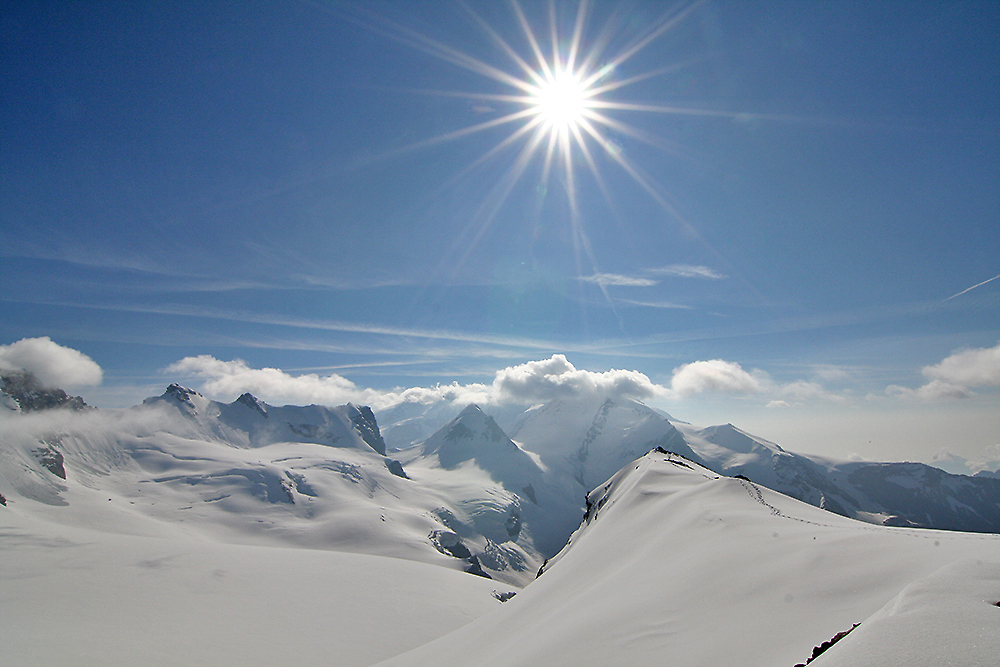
[
  {"x": 475, "y": 495},
  {"x": 261, "y": 531}
]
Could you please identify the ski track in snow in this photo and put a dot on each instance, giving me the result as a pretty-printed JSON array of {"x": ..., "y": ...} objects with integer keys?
[{"x": 923, "y": 533}]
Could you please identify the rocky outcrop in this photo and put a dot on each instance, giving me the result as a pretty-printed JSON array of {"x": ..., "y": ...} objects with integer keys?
[{"x": 31, "y": 396}]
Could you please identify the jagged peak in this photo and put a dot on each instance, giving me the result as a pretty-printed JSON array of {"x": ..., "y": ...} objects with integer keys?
[
  {"x": 179, "y": 393},
  {"x": 251, "y": 402},
  {"x": 26, "y": 393}
]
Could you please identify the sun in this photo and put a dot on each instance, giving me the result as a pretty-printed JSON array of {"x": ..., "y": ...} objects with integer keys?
[
  {"x": 561, "y": 102},
  {"x": 560, "y": 99}
]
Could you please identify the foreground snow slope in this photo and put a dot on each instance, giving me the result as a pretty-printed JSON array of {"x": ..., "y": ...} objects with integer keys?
[
  {"x": 79, "y": 597},
  {"x": 677, "y": 565}
]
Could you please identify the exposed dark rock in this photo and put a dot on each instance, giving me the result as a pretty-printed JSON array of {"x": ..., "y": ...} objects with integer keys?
[
  {"x": 31, "y": 396},
  {"x": 51, "y": 459},
  {"x": 3, "y": 501},
  {"x": 396, "y": 468},
  {"x": 819, "y": 650},
  {"x": 503, "y": 597},
  {"x": 179, "y": 393},
  {"x": 529, "y": 491},
  {"x": 367, "y": 427},
  {"x": 476, "y": 569},
  {"x": 451, "y": 544}
]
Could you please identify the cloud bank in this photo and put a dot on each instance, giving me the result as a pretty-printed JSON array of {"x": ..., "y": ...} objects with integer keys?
[
  {"x": 53, "y": 364},
  {"x": 524, "y": 384}
]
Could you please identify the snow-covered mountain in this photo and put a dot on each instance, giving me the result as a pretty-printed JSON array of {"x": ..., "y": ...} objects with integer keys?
[
  {"x": 582, "y": 442},
  {"x": 235, "y": 525},
  {"x": 678, "y": 565},
  {"x": 901, "y": 494},
  {"x": 247, "y": 422},
  {"x": 252, "y": 473},
  {"x": 591, "y": 439}
]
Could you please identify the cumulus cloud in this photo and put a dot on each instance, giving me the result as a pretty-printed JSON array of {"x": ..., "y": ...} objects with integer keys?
[
  {"x": 778, "y": 404},
  {"x": 271, "y": 384},
  {"x": 952, "y": 378},
  {"x": 556, "y": 377},
  {"x": 716, "y": 375},
  {"x": 687, "y": 271},
  {"x": 617, "y": 280},
  {"x": 275, "y": 386},
  {"x": 54, "y": 365},
  {"x": 977, "y": 367},
  {"x": 531, "y": 382}
]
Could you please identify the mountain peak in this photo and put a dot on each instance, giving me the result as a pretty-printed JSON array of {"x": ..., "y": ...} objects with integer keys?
[
  {"x": 251, "y": 402},
  {"x": 29, "y": 395},
  {"x": 179, "y": 393},
  {"x": 473, "y": 423}
]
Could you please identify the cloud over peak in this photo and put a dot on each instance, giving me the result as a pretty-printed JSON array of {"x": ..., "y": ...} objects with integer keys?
[
  {"x": 54, "y": 365},
  {"x": 556, "y": 377}
]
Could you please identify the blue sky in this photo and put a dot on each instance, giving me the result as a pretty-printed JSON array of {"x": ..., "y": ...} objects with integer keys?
[{"x": 799, "y": 191}]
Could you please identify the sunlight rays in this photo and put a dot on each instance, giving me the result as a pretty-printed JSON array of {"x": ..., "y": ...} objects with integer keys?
[{"x": 563, "y": 105}]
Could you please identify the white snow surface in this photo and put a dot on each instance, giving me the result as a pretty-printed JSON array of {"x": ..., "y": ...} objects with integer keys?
[
  {"x": 192, "y": 532},
  {"x": 683, "y": 567},
  {"x": 78, "y": 598}
]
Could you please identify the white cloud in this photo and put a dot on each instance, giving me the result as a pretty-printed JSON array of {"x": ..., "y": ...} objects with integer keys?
[
  {"x": 556, "y": 377},
  {"x": 531, "y": 382},
  {"x": 271, "y": 384},
  {"x": 53, "y": 364},
  {"x": 687, "y": 271},
  {"x": 617, "y": 280},
  {"x": 972, "y": 368},
  {"x": 778, "y": 404},
  {"x": 933, "y": 391},
  {"x": 716, "y": 375},
  {"x": 228, "y": 379},
  {"x": 803, "y": 390},
  {"x": 989, "y": 459},
  {"x": 952, "y": 378}
]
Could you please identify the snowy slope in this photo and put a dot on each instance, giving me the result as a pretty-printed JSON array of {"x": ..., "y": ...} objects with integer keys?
[
  {"x": 678, "y": 564},
  {"x": 78, "y": 598},
  {"x": 902, "y": 494}
]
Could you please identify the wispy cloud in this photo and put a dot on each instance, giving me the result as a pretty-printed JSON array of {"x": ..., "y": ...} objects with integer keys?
[
  {"x": 654, "y": 304},
  {"x": 969, "y": 289},
  {"x": 617, "y": 280},
  {"x": 687, "y": 271}
]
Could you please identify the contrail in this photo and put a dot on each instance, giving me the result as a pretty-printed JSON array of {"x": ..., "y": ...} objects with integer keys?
[{"x": 972, "y": 288}]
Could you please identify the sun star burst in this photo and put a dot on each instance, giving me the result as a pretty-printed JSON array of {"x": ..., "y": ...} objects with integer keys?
[{"x": 561, "y": 102}]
